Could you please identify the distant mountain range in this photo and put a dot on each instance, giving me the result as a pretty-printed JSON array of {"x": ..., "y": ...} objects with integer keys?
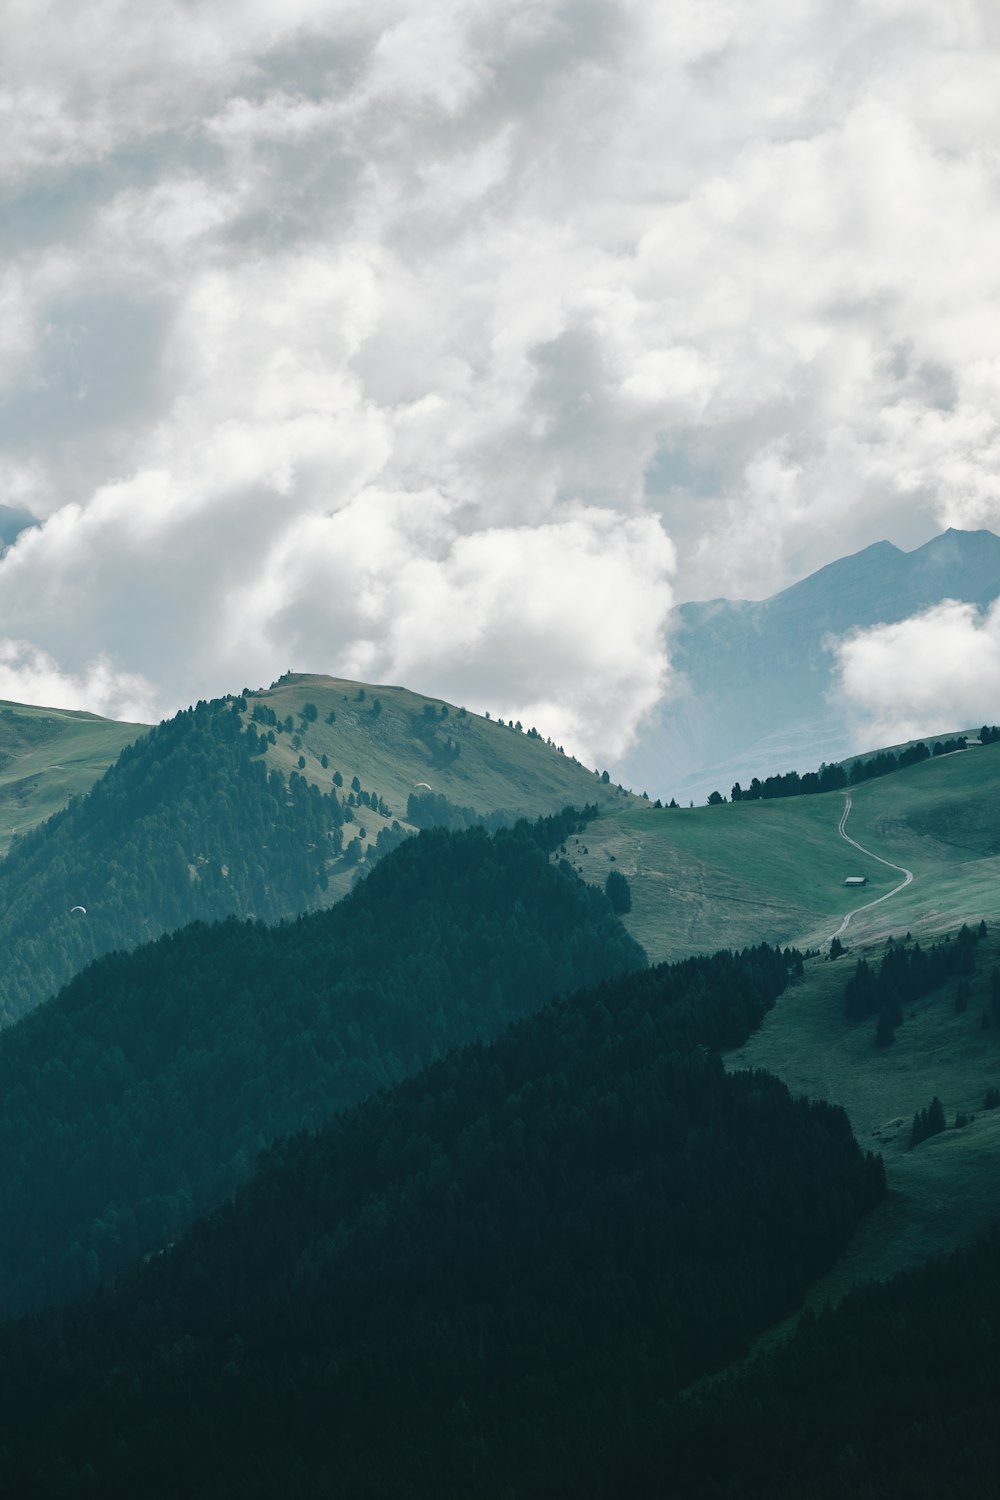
[{"x": 750, "y": 694}]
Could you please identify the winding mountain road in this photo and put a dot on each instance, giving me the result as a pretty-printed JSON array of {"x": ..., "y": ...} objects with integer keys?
[{"x": 878, "y": 901}]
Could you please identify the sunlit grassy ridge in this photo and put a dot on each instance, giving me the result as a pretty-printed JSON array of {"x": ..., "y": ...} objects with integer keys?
[
  {"x": 396, "y": 742},
  {"x": 48, "y": 755}
]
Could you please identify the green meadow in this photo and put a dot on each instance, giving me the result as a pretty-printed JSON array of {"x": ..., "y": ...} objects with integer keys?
[
  {"x": 716, "y": 877},
  {"x": 47, "y": 756}
]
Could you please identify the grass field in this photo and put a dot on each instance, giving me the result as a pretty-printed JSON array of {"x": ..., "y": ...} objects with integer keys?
[
  {"x": 48, "y": 755},
  {"x": 711, "y": 877},
  {"x": 947, "y": 1189}
]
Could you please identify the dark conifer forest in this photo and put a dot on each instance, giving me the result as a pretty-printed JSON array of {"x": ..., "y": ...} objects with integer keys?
[
  {"x": 528, "y": 1244},
  {"x": 142, "y": 1094},
  {"x": 893, "y": 1395}
]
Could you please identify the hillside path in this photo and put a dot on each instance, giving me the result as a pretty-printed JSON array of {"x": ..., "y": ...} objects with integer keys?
[{"x": 878, "y": 901}]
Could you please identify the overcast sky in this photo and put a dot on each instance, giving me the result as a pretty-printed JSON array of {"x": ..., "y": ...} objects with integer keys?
[{"x": 451, "y": 342}]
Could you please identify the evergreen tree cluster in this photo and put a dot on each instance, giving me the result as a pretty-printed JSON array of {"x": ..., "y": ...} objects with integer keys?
[
  {"x": 426, "y": 809},
  {"x": 188, "y": 824},
  {"x": 928, "y": 1122},
  {"x": 904, "y": 975},
  {"x": 143, "y": 1093},
  {"x": 528, "y": 1244},
  {"x": 791, "y": 784},
  {"x": 834, "y": 777}
]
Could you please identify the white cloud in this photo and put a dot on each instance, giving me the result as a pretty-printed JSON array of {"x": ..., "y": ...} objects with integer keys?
[
  {"x": 324, "y": 327},
  {"x": 937, "y": 671},
  {"x": 28, "y": 675}
]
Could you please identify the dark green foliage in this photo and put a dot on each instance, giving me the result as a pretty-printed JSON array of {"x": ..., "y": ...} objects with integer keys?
[
  {"x": 891, "y": 1396},
  {"x": 948, "y": 747},
  {"x": 143, "y": 1093},
  {"x": 526, "y": 1245},
  {"x": 991, "y": 1099},
  {"x": 906, "y": 974},
  {"x": 715, "y": 799},
  {"x": 434, "y": 810},
  {"x": 885, "y": 1031},
  {"x": 836, "y": 948},
  {"x": 791, "y": 784},
  {"x": 188, "y": 824},
  {"x": 927, "y": 1122},
  {"x": 618, "y": 892}
]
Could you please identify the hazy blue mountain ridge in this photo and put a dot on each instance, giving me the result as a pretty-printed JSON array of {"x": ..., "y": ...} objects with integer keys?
[{"x": 750, "y": 696}]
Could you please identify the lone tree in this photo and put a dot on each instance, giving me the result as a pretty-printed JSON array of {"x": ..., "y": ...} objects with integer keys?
[{"x": 618, "y": 891}]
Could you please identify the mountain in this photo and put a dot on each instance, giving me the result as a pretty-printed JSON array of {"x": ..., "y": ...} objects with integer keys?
[
  {"x": 142, "y": 1094},
  {"x": 752, "y": 678},
  {"x": 47, "y": 756},
  {"x": 529, "y": 1243},
  {"x": 260, "y": 805}
]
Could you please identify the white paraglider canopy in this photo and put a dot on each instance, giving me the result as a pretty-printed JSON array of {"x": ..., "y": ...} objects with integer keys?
[{"x": 78, "y": 911}]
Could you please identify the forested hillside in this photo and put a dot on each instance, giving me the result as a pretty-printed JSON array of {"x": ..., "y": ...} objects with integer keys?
[
  {"x": 143, "y": 1093},
  {"x": 892, "y": 1396},
  {"x": 245, "y": 807},
  {"x": 529, "y": 1243}
]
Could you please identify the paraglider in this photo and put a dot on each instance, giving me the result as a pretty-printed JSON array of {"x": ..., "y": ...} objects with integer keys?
[
  {"x": 78, "y": 911},
  {"x": 421, "y": 786}
]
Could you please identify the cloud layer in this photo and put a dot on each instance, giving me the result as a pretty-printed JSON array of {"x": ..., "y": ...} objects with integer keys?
[
  {"x": 447, "y": 343},
  {"x": 936, "y": 671}
]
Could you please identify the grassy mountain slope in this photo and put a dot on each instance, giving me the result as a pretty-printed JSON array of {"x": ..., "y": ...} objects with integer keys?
[
  {"x": 142, "y": 1094},
  {"x": 943, "y": 1191},
  {"x": 396, "y": 742},
  {"x": 47, "y": 756},
  {"x": 774, "y": 870}
]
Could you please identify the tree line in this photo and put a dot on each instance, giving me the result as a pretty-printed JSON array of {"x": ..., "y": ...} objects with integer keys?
[{"x": 832, "y": 778}]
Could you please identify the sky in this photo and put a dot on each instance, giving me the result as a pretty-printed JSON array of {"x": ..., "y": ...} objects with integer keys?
[{"x": 453, "y": 343}]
